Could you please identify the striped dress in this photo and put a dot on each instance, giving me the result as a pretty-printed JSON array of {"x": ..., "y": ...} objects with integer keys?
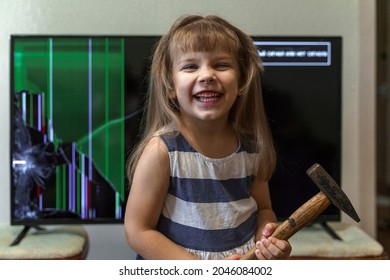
[{"x": 208, "y": 209}]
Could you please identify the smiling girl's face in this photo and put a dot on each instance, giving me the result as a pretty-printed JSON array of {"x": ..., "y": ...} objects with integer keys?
[{"x": 206, "y": 84}]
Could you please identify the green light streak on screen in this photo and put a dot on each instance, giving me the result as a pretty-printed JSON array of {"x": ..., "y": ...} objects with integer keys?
[
  {"x": 62, "y": 199},
  {"x": 121, "y": 188},
  {"x": 117, "y": 201},
  {"x": 49, "y": 101},
  {"x": 107, "y": 101}
]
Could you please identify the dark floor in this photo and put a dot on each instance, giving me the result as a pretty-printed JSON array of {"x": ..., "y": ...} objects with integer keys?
[{"x": 383, "y": 214}]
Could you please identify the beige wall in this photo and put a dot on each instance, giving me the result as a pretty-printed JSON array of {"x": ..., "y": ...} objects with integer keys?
[
  {"x": 382, "y": 98},
  {"x": 352, "y": 19},
  {"x": 387, "y": 120}
]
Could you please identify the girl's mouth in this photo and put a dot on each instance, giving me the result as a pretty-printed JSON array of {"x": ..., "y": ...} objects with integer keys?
[{"x": 208, "y": 96}]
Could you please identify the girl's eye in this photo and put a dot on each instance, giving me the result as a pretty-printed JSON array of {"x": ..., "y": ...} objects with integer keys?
[
  {"x": 222, "y": 66},
  {"x": 190, "y": 67}
]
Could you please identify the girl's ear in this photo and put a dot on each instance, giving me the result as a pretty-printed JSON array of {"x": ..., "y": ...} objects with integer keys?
[{"x": 172, "y": 94}]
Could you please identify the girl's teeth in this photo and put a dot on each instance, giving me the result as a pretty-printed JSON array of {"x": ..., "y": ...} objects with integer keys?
[{"x": 208, "y": 97}]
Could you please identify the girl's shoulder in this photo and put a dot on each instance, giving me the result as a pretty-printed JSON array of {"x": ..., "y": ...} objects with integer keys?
[
  {"x": 152, "y": 163},
  {"x": 155, "y": 149}
]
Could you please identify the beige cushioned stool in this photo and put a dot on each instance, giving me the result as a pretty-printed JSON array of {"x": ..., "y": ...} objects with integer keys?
[
  {"x": 314, "y": 242},
  {"x": 51, "y": 243}
]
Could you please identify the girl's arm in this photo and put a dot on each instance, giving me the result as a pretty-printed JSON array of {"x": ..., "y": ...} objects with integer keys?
[
  {"x": 144, "y": 205},
  {"x": 268, "y": 247}
]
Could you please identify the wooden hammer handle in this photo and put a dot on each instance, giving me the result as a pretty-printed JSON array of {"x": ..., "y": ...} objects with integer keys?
[{"x": 301, "y": 217}]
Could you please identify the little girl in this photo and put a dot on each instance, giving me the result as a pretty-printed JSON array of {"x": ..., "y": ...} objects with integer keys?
[{"x": 199, "y": 176}]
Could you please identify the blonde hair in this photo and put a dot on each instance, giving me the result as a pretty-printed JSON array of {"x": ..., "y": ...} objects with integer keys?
[{"x": 197, "y": 33}]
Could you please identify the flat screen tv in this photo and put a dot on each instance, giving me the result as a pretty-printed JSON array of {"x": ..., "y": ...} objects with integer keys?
[{"x": 77, "y": 102}]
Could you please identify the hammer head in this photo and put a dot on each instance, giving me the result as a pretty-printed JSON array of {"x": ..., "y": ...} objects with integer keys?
[{"x": 332, "y": 190}]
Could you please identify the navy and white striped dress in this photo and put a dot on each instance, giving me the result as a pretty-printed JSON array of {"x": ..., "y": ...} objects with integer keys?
[{"x": 208, "y": 209}]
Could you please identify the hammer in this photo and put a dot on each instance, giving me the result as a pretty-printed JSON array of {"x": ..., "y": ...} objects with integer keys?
[{"x": 330, "y": 192}]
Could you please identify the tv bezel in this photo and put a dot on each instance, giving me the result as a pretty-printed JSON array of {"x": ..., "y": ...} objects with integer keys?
[{"x": 36, "y": 222}]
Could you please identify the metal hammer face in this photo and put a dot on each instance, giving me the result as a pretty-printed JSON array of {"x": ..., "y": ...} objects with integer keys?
[{"x": 332, "y": 190}]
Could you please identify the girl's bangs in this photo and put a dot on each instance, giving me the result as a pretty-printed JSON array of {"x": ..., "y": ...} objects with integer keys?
[{"x": 198, "y": 39}]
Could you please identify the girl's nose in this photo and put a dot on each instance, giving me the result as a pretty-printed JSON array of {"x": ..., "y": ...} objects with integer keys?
[{"x": 207, "y": 76}]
